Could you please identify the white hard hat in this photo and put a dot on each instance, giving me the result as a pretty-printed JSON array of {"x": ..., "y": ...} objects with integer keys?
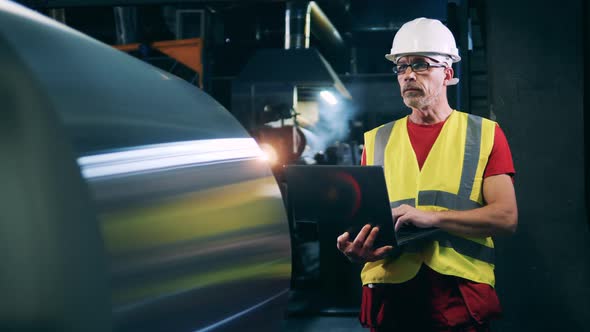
[{"x": 426, "y": 37}]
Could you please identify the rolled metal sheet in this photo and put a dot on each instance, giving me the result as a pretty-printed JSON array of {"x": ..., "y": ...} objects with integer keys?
[{"x": 192, "y": 219}]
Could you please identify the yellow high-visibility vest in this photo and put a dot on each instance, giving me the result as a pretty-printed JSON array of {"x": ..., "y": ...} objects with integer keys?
[{"x": 451, "y": 179}]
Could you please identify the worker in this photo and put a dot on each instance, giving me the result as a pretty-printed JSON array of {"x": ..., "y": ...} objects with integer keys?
[{"x": 445, "y": 169}]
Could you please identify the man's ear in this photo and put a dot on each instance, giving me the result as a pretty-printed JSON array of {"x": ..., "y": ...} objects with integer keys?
[{"x": 449, "y": 74}]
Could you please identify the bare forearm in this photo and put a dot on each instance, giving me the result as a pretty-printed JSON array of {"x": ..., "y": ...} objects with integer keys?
[
  {"x": 489, "y": 220},
  {"x": 498, "y": 217}
]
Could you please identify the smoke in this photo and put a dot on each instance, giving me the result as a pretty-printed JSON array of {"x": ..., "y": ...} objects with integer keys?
[{"x": 333, "y": 126}]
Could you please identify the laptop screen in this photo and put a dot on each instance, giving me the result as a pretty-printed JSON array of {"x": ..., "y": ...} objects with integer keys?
[{"x": 340, "y": 199}]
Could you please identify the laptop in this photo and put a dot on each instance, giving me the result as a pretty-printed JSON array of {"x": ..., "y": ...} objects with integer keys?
[{"x": 344, "y": 199}]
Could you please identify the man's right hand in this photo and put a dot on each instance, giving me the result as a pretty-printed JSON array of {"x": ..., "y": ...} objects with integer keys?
[{"x": 361, "y": 249}]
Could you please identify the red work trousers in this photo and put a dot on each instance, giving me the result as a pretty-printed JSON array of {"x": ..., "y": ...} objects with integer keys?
[{"x": 429, "y": 302}]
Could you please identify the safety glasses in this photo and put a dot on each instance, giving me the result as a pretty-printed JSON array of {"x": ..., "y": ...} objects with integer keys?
[{"x": 416, "y": 67}]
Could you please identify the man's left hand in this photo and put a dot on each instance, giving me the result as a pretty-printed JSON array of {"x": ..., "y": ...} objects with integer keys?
[{"x": 408, "y": 215}]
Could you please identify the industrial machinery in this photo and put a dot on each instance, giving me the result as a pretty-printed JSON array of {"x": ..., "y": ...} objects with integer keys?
[
  {"x": 291, "y": 99},
  {"x": 131, "y": 200},
  {"x": 300, "y": 112}
]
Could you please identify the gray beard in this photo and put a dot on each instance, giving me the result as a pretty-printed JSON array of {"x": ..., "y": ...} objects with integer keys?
[{"x": 420, "y": 102}]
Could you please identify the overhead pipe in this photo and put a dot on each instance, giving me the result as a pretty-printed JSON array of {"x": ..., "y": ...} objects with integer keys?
[
  {"x": 126, "y": 24},
  {"x": 297, "y": 25},
  {"x": 58, "y": 14},
  {"x": 303, "y": 17}
]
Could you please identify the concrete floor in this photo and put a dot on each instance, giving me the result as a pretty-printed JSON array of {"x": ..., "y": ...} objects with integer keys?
[{"x": 323, "y": 324}]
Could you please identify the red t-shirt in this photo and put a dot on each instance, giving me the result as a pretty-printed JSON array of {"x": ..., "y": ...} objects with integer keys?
[
  {"x": 476, "y": 300},
  {"x": 423, "y": 137}
]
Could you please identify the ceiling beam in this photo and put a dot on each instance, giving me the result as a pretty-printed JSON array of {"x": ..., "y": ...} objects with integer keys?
[{"x": 92, "y": 3}]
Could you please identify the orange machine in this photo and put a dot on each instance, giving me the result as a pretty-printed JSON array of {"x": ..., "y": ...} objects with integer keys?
[{"x": 186, "y": 51}]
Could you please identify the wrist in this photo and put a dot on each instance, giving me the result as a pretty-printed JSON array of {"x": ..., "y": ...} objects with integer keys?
[{"x": 437, "y": 218}]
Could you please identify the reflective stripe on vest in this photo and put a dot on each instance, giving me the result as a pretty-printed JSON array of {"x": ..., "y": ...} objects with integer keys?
[
  {"x": 381, "y": 139},
  {"x": 446, "y": 200},
  {"x": 459, "y": 201},
  {"x": 466, "y": 247},
  {"x": 471, "y": 155}
]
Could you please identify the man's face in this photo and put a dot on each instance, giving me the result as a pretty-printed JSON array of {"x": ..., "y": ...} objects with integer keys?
[{"x": 422, "y": 89}]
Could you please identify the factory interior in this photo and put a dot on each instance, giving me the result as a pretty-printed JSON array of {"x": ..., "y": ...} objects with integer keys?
[{"x": 148, "y": 120}]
